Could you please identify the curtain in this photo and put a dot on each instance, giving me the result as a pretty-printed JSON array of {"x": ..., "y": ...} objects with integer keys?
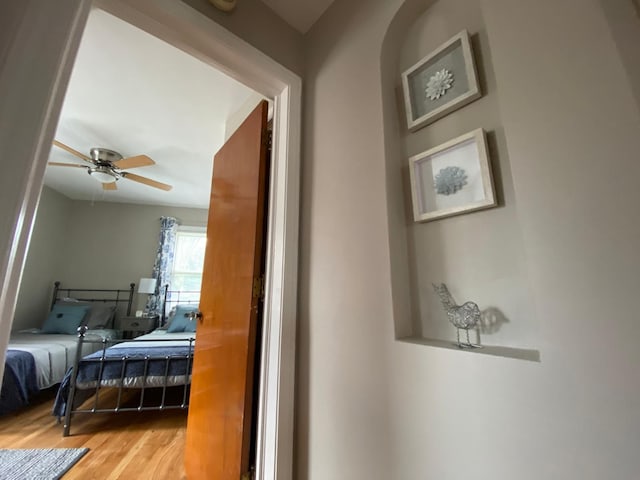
[{"x": 164, "y": 262}]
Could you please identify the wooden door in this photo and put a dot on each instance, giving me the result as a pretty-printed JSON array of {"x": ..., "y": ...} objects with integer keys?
[{"x": 218, "y": 438}]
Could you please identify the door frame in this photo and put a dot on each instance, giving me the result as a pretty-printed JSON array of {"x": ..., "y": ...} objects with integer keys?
[{"x": 187, "y": 29}]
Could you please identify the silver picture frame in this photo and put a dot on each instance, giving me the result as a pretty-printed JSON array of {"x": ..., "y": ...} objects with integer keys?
[
  {"x": 440, "y": 83},
  {"x": 452, "y": 178}
]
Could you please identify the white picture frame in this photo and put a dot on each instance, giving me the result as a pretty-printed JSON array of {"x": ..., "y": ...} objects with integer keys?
[
  {"x": 427, "y": 95},
  {"x": 452, "y": 178}
]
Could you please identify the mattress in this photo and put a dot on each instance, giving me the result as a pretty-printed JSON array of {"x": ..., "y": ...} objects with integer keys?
[
  {"x": 165, "y": 339},
  {"x": 54, "y": 354},
  {"x": 158, "y": 346}
]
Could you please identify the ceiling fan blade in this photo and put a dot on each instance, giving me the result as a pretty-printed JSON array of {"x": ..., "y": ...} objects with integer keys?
[
  {"x": 134, "y": 162},
  {"x": 72, "y": 151},
  {"x": 58, "y": 164},
  {"x": 146, "y": 181},
  {"x": 109, "y": 186}
]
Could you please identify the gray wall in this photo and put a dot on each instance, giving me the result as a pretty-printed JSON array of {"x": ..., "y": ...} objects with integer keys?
[
  {"x": 91, "y": 245},
  {"x": 346, "y": 318},
  {"x": 259, "y": 26},
  {"x": 372, "y": 407},
  {"x": 113, "y": 244},
  {"x": 44, "y": 259},
  {"x": 624, "y": 18}
]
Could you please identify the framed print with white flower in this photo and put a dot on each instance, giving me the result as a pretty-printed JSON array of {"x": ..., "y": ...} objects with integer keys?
[
  {"x": 440, "y": 83},
  {"x": 452, "y": 178}
]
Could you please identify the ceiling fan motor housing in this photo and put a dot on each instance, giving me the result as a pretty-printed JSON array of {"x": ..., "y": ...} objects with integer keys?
[
  {"x": 103, "y": 156},
  {"x": 104, "y": 171}
]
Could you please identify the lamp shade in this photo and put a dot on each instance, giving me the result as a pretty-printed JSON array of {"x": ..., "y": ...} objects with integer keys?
[{"x": 147, "y": 285}]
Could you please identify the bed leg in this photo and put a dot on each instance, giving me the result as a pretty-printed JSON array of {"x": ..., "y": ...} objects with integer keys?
[
  {"x": 67, "y": 414},
  {"x": 67, "y": 427},
  {"x": 82, "y": 330}
]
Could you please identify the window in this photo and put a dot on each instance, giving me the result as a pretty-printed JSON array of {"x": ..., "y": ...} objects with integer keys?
[{"x": 188, "y": 261}]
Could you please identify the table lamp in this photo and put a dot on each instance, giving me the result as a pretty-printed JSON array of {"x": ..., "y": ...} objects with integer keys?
[{"x": 147, "y": 286}]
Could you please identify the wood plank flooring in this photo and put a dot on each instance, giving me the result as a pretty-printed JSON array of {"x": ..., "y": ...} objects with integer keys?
[{"x": 126, "y": 445}]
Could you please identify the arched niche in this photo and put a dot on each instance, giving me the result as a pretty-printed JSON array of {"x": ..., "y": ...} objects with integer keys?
[{"x": 480, "y": 255}]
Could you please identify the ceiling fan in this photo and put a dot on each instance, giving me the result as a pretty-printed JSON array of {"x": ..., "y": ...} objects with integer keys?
[{"x": 107, "y": 167}]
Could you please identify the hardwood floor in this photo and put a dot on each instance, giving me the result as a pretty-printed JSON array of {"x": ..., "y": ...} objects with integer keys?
[{"x": 126, "y": 445}]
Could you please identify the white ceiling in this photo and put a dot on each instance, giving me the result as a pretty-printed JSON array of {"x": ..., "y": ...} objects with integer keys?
[
  {"x": 300, "y": 14},
  {"x": 135, "y": 94}
]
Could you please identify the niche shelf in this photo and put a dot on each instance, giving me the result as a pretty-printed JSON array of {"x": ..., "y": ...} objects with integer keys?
[{"x": 529, "y": 355}]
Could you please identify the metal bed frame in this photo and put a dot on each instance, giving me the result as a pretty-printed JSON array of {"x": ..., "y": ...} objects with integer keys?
[
  {"x": 103, "y": 361},
  {"x": 113, "y": 295}
]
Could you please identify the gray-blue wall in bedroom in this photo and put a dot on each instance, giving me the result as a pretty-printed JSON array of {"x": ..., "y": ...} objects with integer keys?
[
  {"x": 44, "y": 258},
  {"x": 90, "y": 245}
]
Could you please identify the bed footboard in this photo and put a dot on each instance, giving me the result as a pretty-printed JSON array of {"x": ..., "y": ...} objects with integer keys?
[{"x": 125, "y": 365}]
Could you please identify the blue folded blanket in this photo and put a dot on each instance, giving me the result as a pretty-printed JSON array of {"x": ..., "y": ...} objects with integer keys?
[
  {"x": 19, "y": 383},
  {"x": 134, "y": 368}
]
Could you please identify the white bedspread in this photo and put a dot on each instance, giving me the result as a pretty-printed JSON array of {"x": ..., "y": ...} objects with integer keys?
[
  {"x": 54, "y": 354},
  {"x": 176, "y": 339}
]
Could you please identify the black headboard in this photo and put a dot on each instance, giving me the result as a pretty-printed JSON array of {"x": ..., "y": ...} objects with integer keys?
[{"x": 95, "y": 295}]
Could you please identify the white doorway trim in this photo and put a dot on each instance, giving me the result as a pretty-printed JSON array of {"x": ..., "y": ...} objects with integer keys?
[{"x": 192, "y": 32}]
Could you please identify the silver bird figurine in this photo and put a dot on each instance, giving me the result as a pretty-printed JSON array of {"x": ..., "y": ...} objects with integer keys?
[{"x": 465, "y": 316}]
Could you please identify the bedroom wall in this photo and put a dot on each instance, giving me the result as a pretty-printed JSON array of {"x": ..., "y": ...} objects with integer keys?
[
  {"x": 110, "y": 245},
  {"x": 90, "y": 245},
  {"x": 372, "y": 407},
  {"x": 236, "y": 118},
  {"x": 44, "y": 259}
]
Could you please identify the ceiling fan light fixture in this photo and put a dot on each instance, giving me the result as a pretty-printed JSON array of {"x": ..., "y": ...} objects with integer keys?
[{"x": 103, "y": 175}]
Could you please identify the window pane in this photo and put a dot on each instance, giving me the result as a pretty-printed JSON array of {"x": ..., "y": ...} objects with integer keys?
[
  {"x": 188, "y": 263},
  {"x": 189, "y": 256},
  {"x": 189, "y": 282}
]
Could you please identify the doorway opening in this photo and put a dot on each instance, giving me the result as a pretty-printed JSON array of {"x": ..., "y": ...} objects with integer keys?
[{"x": 181, "y": 26}]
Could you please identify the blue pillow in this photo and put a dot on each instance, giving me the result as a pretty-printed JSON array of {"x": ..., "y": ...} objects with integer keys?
[
  {"x": 180, "y": 322},
  {"x": 65, "y": 319}
]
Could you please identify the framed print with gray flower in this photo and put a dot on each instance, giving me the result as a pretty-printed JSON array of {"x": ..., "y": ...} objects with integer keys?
[
  {"x": 452, "y": 178},
  {"x": 440, "y": 83}
]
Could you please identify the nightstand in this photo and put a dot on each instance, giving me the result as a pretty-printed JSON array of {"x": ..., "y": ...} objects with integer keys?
[{"x": 135, "y": 326}]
